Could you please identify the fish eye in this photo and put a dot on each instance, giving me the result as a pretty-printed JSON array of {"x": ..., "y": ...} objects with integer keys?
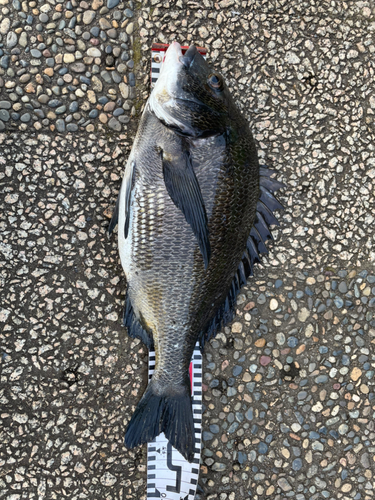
[{"x": 215, "y": 81}]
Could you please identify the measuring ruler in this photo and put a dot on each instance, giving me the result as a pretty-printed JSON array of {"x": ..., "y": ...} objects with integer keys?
[{"x": 169, "y": 475}]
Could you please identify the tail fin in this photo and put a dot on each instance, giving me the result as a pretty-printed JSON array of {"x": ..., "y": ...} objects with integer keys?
[{"x": 171, "y": 414}]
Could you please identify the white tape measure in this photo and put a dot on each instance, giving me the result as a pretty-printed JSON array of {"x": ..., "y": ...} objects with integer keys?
[{"x": 169, "y": 475}]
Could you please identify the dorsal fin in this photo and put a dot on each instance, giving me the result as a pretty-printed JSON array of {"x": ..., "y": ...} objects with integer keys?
[
  {"x": 269, "y": 200},
  {"x": 262, "y": 227},
  {"x": 257, "y": 238},
  {"x": 259, "y": 234},
  {"x": 267, "y": 214},
  {"x": 183, "y": 188}
]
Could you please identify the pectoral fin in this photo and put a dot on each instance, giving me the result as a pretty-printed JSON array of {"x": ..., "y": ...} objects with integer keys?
[{"x": 183, "y": 188}]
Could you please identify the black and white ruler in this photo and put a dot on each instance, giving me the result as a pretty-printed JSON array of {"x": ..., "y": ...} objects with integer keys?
[{"x": 169, "y": 475}]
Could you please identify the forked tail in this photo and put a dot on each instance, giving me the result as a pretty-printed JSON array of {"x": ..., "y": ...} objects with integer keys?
[{"x": 162, "y": 411}]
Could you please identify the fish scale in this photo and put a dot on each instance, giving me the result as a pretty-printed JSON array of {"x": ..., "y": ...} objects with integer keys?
[{"x": 194, "y": 164}]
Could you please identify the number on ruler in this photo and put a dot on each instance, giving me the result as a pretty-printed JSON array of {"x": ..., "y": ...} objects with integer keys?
[{"x": 175, "y": 468}]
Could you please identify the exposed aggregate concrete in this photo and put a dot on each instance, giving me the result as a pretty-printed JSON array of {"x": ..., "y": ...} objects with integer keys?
[{"x": 289, "y": 385}]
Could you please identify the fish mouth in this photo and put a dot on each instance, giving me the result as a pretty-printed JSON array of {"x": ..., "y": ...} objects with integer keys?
[
  {"x": 188, "y": 58},
  {"x": 173, "y": 53}
]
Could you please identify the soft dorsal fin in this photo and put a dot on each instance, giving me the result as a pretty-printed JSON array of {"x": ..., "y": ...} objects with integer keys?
[{"x": 183, "y": 188}]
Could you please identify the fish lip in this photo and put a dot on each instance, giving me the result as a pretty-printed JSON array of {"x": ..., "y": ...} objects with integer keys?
[{"x": 189, "y": 56}]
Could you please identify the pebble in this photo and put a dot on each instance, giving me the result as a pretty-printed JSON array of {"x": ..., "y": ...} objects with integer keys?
[
  {"x": 303, "y": 314},
  {"x": 297, "y": 464},
  {"x": 88, "y": 16},
  {"x": 4, "y": 26},
  {"x": 129, "y": 28},
  {"x": 78, "y": 67},
  {"x": 284, "y": 485},
  {"x": 94, "y": 52},
  {"x": 114, "y": 124},
  {"x": 280, "y": 338},
  {"x": 355, "y": 374},
  {"x": 104, "y": 24},
  {"x": 274, "y": 304},
  {"x": 36, "y": 53},
  {"x": 112, "y": 3},
  {"x": 60, "y": 125},
  {"x": 72, "y": 127},
  {"x": 11, "y": 40},
  {"x": 69, "y": 58},
  {"x": 96, "y": 4},
  {"x": 265, "y": 360},
  {"x": 26, "y": 117}
]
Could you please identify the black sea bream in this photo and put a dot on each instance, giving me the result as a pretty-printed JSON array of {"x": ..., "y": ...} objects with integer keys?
[{"x": 193, "y": 213}]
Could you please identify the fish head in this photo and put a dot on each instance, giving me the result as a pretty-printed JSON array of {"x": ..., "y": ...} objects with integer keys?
[{"x": 189, "y": 96}]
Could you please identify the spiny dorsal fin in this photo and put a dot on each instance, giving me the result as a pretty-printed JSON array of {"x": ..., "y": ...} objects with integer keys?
[{"x": 183, "y": 188}]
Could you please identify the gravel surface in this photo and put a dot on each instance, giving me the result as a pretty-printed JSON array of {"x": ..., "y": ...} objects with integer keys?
[{"x": 288, "y": 386}]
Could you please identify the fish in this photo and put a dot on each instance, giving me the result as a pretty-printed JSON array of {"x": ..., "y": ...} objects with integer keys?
[{"x": 194, "y": 213}]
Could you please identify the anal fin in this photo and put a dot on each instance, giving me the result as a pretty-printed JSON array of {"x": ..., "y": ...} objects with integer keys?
[{"x": 135, "y": 329}]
